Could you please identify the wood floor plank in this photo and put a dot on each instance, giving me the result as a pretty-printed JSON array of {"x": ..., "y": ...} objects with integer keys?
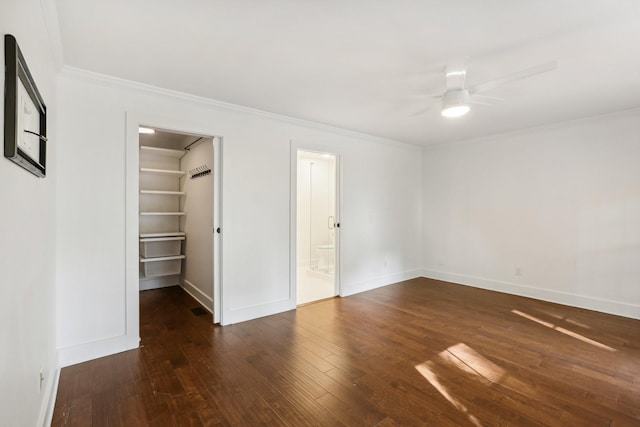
[{"x": 420, "y": 352}]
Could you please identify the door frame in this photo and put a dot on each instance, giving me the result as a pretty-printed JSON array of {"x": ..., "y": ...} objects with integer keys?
[
  {"x": 132, "y": 195},
  {"x": 319, "y": 148}
]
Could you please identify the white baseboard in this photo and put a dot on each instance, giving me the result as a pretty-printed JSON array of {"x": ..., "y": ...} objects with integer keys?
[
  {"x": 93, "y": 350},
  {"x": 256, "y": 311},
  {"x": 205, "y": 300},
  {"x": 49, "y": 401},
  {"x": 377, "y": 282},
  {"x": 158, "y": 282},
  {"x": 597, "y": 304}
]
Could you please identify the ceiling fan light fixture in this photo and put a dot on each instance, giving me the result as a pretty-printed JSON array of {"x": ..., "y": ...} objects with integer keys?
[
  {"x": 455, "y": 111},
  {"x": 455, "y": 103}
]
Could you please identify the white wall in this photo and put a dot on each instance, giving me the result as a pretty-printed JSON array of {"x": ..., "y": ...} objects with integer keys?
[
  {"x": 561, "y": 203},
  {"x": 27, "y": 227},
  {"x": 380, "y": 216}
]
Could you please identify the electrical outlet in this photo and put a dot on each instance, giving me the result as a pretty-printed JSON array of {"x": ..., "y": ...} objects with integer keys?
[{"x": 518, "y": 271}]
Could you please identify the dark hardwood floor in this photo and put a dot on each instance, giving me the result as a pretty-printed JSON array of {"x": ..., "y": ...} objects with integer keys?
[{"x": 420, "y": 352}]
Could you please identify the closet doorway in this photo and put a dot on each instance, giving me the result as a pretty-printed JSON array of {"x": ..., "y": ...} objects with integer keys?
[
  {"x": 317, "y": 226},
  {"x": 178, "y": 205}
]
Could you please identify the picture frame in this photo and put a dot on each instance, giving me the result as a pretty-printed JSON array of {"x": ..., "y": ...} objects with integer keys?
[{"x": 25, "y": 113}]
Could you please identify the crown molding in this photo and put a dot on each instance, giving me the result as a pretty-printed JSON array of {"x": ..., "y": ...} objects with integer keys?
[
  {"x": 106, "y": 80},
  {"x": 51, "y": 23},
  {"x": 550, "y": 126}
]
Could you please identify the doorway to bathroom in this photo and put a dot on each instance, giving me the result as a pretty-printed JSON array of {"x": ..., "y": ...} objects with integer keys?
[{"x": 317, "y": 226}]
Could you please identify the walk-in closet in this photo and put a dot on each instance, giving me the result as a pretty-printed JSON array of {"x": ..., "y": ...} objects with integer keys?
[{"x": 176, "y": 201}]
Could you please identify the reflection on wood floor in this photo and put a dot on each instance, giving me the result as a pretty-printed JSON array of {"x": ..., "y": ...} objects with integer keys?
[{"x": 420, "y": 352}]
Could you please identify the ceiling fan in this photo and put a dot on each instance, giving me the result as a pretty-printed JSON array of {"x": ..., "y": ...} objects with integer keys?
[{"x": 457, "y": 97}]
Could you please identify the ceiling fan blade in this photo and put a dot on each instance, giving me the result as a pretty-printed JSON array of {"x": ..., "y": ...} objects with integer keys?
[
  {"x": 518, "y": 75},
  {"x": 485, "y": 99},
  {"x": 425, "y": 96},
  {"x": 421, "y": 112},
  {"x": 456, "y": 73}
]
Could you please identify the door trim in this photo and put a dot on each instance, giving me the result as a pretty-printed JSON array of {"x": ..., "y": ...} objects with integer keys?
[{"x": 217, "y": 225}]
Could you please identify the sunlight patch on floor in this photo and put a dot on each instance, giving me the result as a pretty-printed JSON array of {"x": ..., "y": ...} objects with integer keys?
[
  {"x": 427, "y": 370},
  {"x": 563, "y": 330},
  {"x": 472, "y": 364},
  {"x": 566, "y": 319},
  {"x": 575, "y": 322},
  {"x": 480, "y": 366}
]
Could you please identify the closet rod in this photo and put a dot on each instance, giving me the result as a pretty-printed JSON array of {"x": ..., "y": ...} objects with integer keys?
[{"x": 187, "y": 147}]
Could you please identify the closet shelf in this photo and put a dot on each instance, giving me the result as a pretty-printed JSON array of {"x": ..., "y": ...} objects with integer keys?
[
  {"x": 160, "y": 253},
  {"x": 165, "y": 234},
  {"x": 165, "y": 172},
  {"x": 162, "y": 258},
  {"x": 162, "y": 213},
  {"x": 160, "y": 239},
  {"x": 161, "y": 266},
  {"x": 161, "y": 151},
  {"x": 166, "y": 193}
]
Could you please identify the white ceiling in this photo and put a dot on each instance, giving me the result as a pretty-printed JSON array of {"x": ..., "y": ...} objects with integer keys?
[{"x": 359, "y": 64}]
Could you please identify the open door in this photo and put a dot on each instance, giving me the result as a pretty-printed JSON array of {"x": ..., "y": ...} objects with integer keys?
[{"x": 316, "y": 226}]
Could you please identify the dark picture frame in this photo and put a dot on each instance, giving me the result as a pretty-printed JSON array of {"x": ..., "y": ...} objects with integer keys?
[{"x": 25, "y": 114}]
